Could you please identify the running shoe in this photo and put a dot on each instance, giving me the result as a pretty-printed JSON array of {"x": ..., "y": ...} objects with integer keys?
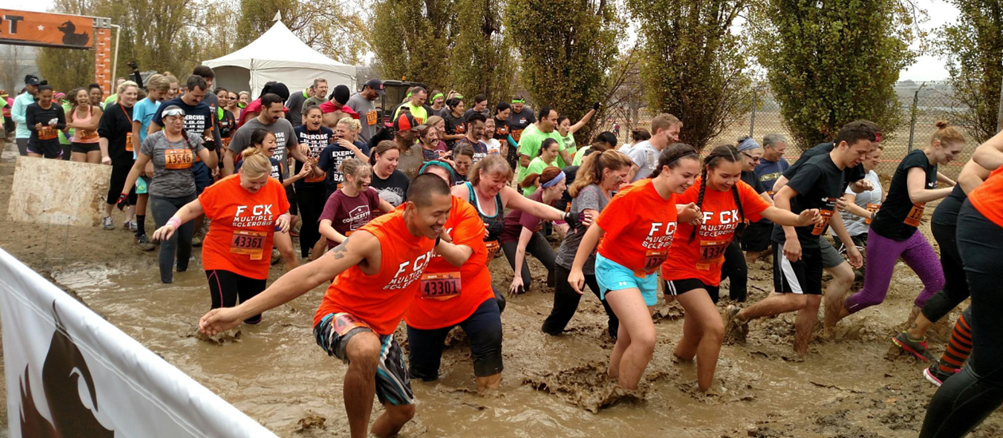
[
  {"x": 917, "y": 348},
  {"x": 144, "y": 243},
  {"x": 735, "y": 328},
  {"x": 107, "y": 224},
  {"x": 935, "y": 375},
  {"x": 197, "y": 241},
  {"x": 130, "y": 225}
]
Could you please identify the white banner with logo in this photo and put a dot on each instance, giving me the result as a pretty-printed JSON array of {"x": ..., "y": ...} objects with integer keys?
[{"x": 71, "y": 373}]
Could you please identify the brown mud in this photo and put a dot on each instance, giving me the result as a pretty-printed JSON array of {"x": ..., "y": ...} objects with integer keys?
[{"x": 552, "y": 386}]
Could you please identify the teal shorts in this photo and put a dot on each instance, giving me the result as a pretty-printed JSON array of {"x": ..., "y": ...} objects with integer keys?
[
  {"x": 141, "y": 184},
  {"x": 613, "y": 276}
]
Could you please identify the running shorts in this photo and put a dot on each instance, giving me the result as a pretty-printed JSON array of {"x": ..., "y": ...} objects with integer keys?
[
  {"x": 756, "y": 237},
  {"x": 830, "y": 255},
  {"x": 612, "y": 276},
  {"x": 83, "y": 148},
  {"x": 679, "y": 287},
  {"x": 801, "y": 277},
  {"x": 393, "y": 385},
  {"x": 142, "y": 185}
]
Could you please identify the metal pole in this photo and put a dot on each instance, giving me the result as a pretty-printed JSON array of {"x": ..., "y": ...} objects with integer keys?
[
  {"x": 912, "y": 121},
  {"x": 752, "y": 119}
]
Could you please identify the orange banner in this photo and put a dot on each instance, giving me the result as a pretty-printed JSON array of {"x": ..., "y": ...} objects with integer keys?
[{"x": 44, "y": 29}]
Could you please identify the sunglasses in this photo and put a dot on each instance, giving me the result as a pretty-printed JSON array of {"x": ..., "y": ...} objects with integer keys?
[
  {"x": 754, "y": 159},
  {"x": 173, "y": 112}
]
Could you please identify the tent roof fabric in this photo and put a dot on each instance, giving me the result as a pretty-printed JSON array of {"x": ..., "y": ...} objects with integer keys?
[{"x": 278, "y": 47}]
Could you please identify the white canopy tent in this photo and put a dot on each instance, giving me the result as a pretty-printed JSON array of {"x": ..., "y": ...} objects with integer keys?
[{"x": 278, "y": 55}]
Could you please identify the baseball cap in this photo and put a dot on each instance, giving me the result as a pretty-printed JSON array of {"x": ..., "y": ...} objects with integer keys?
[
  {"x": 376, "y": 85},
  {"x": 30, "y": 80},
  {"x": 341, "y": 94},
  {"x": 406, "y": 122}
]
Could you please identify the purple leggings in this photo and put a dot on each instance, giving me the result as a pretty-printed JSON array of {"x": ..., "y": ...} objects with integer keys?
[{"x": 882, "y": 254}]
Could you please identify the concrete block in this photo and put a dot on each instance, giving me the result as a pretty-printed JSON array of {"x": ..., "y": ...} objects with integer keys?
[{"x": 58, "y": 192}]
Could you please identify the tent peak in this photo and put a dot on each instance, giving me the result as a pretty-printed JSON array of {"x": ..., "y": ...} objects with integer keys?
[{"x": 278, "y": 16}]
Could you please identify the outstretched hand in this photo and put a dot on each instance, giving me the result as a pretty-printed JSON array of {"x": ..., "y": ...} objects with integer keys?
[{"x": 219, "y": 320}]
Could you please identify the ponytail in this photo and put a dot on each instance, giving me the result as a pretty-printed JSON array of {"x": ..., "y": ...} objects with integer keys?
[{"x": 256, "y": 164}]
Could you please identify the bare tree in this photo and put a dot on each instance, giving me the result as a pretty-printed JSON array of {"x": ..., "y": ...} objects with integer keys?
[{"x": 10, "y": 67}]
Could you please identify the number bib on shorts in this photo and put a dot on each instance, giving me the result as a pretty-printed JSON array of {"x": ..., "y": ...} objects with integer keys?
[
  {"x": 711, "y": 251},
  {"x": 493, "y": 248},
  {"x": 915, "y": 215},
  {"x": 344, "y": 323},
  {"x": 47, "y": 133},
  {"x": 251, "y": 243},
  {"x": 872, "y": 208},
  {"x": 440, "y": 286},
  {"x": 821, "y": 226},
  {"x": 177, "y": 159}
]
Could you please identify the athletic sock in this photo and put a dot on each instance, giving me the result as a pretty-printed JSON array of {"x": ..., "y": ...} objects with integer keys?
[
  {"x": 140, "y": 224},
  {"x": 958, "y": 348}
]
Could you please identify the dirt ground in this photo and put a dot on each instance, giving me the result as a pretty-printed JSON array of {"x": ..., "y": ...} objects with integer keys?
[{"x": 552, "y": 386}]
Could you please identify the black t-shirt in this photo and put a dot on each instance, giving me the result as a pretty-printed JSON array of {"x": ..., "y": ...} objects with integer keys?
[
  {"x": 116, "y": 126},
  {"x": 454, "y": 126},
  {"x": 850, "y": 174},
  {"x": 752, "y": 180},
  {"x": 819, "y": 183},
  {"x": 898, "y": 217},
  {"x": 393, "y": 189},
  {"x": 947, "y": 211},
  {"x": 198, "y": 117},
  {"x": 517, "y": 122},
  {"x": 315, "y": 142},
  {"x": 226, "y": 125}
]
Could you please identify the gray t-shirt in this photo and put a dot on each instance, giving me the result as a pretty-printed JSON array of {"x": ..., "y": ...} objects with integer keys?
[
  {"x": 172, "y": 162},
  {"x": 590, "y": 198},
  {"x": 367, "y": 115},
  {"x": 285, "y": 136},
  {"x": 411, "y": 161},
  {"x": 645, "y": 156}
]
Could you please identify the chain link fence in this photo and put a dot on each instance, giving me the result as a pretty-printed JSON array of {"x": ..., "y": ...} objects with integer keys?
[{"x": 922, "y": 105}]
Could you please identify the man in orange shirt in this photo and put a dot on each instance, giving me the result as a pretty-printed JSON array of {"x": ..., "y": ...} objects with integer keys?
[{"x": 377, "y": 272}]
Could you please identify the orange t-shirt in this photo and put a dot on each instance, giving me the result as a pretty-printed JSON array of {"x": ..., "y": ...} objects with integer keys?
[
  {"x": 987, "y": 198},
  {"x": 702, "y": 257},
  {"x": 440, "y": 305},
  {"x": 380, "y": 300},
  {"x": 242, "y": 227},
  {"x": 639, "y": 226}
]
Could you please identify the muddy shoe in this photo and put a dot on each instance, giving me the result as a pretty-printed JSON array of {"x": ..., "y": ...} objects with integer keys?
[
  {"x": 735, "y": 329},
  {"x": 935, "y": 375},
  {"x": 916, "y": 347},
  {"x": 107, "y": 224},
  {"x": 144, "y": 243},
  {"x": 196, "y": 241}
]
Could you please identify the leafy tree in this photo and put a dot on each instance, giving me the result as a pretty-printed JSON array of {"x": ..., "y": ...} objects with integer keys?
[
  {"x": 413, "y": 39},
  {"x": 482, "y": 59},
  {"x": 973, "y": 47},
  {"x": 829, "y": 63},
  {"x": 692, "y": 65},
  {"x": 567, "y": 50}
]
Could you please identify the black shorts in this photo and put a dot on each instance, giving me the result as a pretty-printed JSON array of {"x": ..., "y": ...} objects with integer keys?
[
  {"x": 83, "y": 148},
  {"x": 679, "y": 287},
  {"x": 801, "y": 277},
  {"x": 484, "y": 333},
  {"x": 291, "y": 197},
  {"x": 392, "y": 382},
  {"x": 47, "y": 149},
  {"x": 756, "y": 237}
]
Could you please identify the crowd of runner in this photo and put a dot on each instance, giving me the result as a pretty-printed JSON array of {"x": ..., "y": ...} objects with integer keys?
[{"x": 400, "y": 220}]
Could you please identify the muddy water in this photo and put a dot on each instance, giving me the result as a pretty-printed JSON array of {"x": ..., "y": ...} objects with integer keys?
[{"x": 276, "y": 374}]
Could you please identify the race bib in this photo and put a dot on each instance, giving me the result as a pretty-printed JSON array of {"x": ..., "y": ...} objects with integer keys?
[
  {"x": 371, "y": 117},
  {"x": 653, "y": 259},
  {"x": 178, "y": 159},
  {"x": 915, "y": 215},
  {"x": 440, "y": 286},
  {"x": 821, "y": 226},
  {"x": 873, "y": 208},
  {"x": 493, "y": 248},
  {"x": 251, "y": 243},
  {"x": 86, "y": 134},
  {"x": 47, "y": 133},
  {"x": 343, "y": 323},
  {"x": 128, "y": 142},
  {"x": 711, "y": 251}
]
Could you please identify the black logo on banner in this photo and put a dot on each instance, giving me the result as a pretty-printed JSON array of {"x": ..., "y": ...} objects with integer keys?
[
  {"x": 70, "y": 38},
  {"x": 62, "y": 370}
]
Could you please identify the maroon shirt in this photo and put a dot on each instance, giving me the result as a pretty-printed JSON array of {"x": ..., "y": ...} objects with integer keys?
[
  {"x": 349, "y": 214},
  {"x": 516, "y": 220}
]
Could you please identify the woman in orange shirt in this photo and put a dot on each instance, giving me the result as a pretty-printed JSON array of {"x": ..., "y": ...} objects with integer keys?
[
  {"x": 968, "y": 397},
  {"x": 638, "y": 226},
  {"x": 696, "y": 257},
  {"x": 246, "y": 210}
]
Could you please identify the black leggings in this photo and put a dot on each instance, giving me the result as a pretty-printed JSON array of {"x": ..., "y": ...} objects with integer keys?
[
  {"x": 484, "y": 334},
  {"x": 955, "y": 282},
  {"x": 180, "y": 243},
  {"x": 119, "y": 173},
  {"x": 566, "y": 304},
  {"x": 734, "y": 267},
  {"x": 967, "y": 398},
  {"x": 539, "y": 248},
  {"x": 225, "y": 287},
  {"x": 311, "y": 202}
]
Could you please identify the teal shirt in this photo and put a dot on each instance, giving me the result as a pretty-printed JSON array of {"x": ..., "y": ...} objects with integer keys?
[{"x": 17, "y": 112}]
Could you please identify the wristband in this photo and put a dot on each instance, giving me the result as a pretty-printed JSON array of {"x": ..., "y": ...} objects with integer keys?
[
  {"x": 174, "y": 222},
  {"x": 437, "y": 240}
]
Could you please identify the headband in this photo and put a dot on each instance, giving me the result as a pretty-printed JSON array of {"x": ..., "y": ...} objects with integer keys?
[
  {"x": 442, "y": 164},
  {"x": 518, "y": 100},
  {"x": 553, "y": 182},
  {"x": 437, "y": 95},
  {"x": 748, "y": 144},
  {"x": 458, "y": 96}
]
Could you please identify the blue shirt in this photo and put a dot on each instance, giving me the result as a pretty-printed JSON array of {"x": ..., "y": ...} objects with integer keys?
[
  {"x": 143, "y": 113},
  {"x": 769, "y": 172}
]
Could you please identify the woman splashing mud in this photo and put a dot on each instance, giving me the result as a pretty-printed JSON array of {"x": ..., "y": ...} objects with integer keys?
[{"x": 637, "y": 228}]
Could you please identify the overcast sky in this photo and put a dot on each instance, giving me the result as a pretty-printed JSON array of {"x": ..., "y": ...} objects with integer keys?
[{"x": 926, "y": 68}]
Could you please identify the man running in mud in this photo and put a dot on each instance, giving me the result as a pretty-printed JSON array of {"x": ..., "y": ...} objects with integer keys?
[{"x": 376, "y": 277}]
